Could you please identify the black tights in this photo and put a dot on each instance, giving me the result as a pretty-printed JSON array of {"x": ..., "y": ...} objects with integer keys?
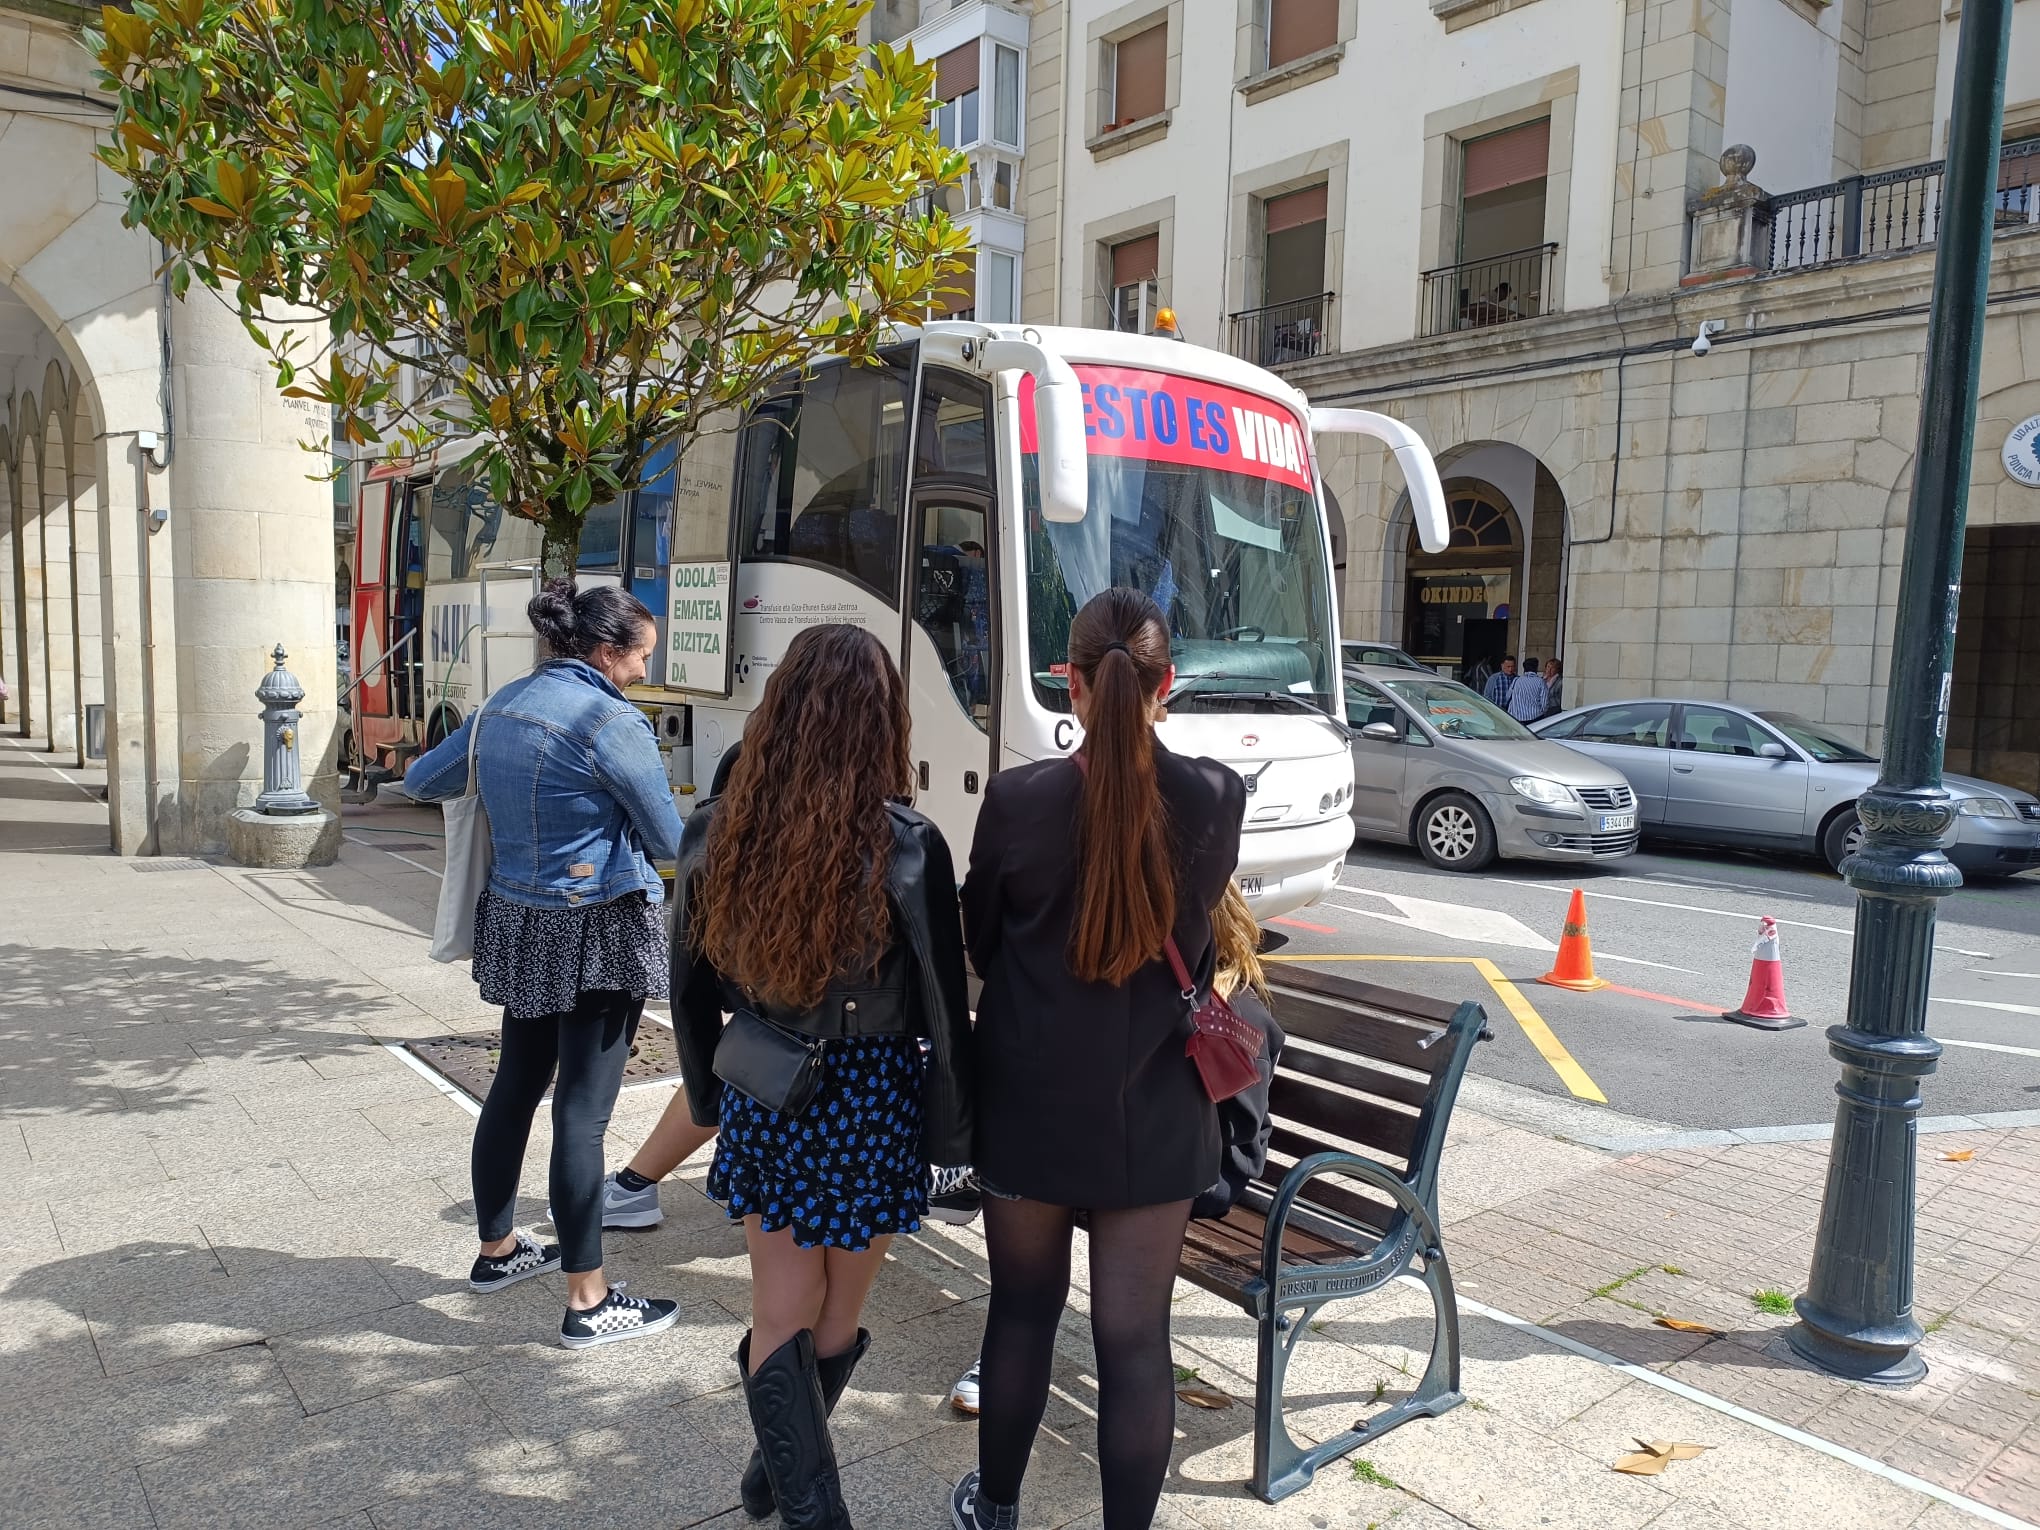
[
  {"x": 590, "y": 1045},
  {"x": 1133, "y": 1274}
]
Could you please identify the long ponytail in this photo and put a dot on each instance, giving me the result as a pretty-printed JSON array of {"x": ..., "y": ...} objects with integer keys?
[{"x": 1126, "y": 877}]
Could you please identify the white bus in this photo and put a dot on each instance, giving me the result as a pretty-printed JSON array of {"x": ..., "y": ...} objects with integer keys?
[{"x": 961, "y": 499}]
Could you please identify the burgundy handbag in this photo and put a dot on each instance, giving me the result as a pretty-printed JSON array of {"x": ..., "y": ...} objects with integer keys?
[{"x": 1224, "y": 1047}]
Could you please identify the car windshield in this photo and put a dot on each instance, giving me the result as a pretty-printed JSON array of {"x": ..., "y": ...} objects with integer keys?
[
  {"x": 1202, "y": 496},
  {"x": 1816, "y": 740},
  {"x": 1453, "y": 710}
]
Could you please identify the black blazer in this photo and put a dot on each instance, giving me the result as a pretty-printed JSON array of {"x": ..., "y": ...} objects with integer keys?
[
  {"x": 1084, "y": 1095},
  {"x": 916, "y": 989}
]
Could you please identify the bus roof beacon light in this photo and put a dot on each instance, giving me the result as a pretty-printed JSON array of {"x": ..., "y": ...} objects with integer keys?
[
  {"x": 1420, "y": 473},
  {"x": 1058, "y": 423}
]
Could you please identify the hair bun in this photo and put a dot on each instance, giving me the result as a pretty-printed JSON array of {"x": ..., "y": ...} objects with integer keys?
[{"x": 551, "y": 614}]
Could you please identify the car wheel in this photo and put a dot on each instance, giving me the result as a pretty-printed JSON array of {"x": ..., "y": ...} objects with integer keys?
[
  {"x": 1454, "y": 833},
  {"x": 1842, "y": 838}
]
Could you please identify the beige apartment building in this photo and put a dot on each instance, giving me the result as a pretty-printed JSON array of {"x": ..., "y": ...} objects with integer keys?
[{"x": 1507, "y": 222}]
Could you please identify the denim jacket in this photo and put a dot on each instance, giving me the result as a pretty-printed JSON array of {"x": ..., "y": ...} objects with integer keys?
[{"x": 569, "y": 772}]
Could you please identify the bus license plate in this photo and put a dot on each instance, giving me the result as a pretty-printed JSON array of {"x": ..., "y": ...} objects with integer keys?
[
  {"x": 1250, "y": 887},
  {"x": 1613, "y": 823}
]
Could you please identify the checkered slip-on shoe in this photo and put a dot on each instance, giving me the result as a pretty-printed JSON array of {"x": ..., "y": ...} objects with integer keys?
[
  {"x": 528, "y": 1258},
  {"x": 615, "y": 1318}
]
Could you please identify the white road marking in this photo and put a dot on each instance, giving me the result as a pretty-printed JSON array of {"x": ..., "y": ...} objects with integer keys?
[
  {"x": 1460, "y": 921},
  {"x": 1719, "y": 913},
  {"x": 1988, "y": 1046},
  {"x": 1672, "y": 881},
  {"x": 91, "y": 793},
  {"x": 2010, "y": 1009},
  {"x": 1979, "y": 972},
  {"x": 404, "y": 1055}
]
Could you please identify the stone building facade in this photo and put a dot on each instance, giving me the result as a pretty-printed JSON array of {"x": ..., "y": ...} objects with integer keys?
[
  {"x": 1506, "y": 222},
  {"x": 159, "y": 532}
]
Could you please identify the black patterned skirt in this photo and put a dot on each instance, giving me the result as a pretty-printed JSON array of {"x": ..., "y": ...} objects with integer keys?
[
  {"x": 847, "y": 1169},
  {"x": 538, "y": 961}
]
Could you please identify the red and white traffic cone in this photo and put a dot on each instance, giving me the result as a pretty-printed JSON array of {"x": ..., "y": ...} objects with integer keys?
[{"x": 1763, "y": 1006}]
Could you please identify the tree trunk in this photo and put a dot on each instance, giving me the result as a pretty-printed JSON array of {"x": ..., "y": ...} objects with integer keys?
[{"x": 562, "y": 548}]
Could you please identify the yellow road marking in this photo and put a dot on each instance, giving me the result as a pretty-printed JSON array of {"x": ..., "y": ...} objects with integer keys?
[{"x": 1540, "y": 1036}]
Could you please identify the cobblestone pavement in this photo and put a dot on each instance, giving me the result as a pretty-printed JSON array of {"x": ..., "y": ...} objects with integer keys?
[{"x": 236, "y": 1227}]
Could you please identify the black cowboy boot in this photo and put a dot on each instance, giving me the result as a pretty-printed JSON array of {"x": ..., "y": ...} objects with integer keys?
[
  {"x": 756, "y": 1489},
  {"x": 792, "y": 1425}
]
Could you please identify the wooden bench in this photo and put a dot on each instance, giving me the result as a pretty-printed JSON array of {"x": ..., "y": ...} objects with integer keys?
[{"x": 1349, "y": 1201}]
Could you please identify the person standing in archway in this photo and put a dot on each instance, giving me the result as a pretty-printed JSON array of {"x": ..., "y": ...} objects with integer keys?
[{"x": 1500, "y": 684}]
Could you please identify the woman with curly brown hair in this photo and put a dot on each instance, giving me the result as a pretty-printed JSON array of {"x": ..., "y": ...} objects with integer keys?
[{"x": 819, "y": 912}]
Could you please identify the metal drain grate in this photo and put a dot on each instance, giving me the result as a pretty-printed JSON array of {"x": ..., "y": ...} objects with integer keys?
[
  {"x": 403, "y": 844},
  {"x": 171, "y": 865},
  {"x": 468, "y": 1062}
]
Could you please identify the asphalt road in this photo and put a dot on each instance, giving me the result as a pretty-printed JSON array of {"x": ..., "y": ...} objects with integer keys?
[{"x": 1672, "y": 932}]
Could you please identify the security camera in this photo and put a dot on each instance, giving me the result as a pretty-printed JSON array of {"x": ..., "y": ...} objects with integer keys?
[{"x": 1702, "y": 344}]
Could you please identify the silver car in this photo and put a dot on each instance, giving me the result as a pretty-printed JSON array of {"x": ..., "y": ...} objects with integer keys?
[
  {"x": 1436, "y": 766},
  {"x": 1718, "y": 774}
]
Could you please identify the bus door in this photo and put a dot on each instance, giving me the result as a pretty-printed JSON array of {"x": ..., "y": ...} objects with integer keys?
[
  {"x": 950, "y": 653},
  {"x": 370, "y": 616},
  {"x": 410, "y": 502}
]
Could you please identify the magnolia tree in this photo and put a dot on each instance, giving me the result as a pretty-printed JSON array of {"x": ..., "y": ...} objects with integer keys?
[{"x": 593, "y": 224}]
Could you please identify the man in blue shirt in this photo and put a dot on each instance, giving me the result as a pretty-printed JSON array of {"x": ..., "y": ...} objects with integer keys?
[
  {"x": 1500, "y": 683},
  {"x": 1529, "y": 697}
]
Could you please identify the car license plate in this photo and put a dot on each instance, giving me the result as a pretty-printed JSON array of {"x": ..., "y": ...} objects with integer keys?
[
  {"x": 1250, "y": 887},
  {"x": 1614, "y": 823}
]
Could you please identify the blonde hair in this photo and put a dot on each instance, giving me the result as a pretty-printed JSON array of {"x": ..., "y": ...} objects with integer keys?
[{"x": 1239, "y": 947}]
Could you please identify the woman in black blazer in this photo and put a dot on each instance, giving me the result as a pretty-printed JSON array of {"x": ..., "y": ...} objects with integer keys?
[{"x": 1079, "y": 873}]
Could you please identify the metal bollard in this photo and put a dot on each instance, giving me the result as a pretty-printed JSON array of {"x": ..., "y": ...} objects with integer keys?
[{"x": 283, "y": 791}]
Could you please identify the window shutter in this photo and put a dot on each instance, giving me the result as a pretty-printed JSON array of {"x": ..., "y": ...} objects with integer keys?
[
  {"x": 1298, "y": 27},
  {"x": 1140, "y": 77},
  {"x": 1508, "y": 159},
  {"x": 956, "y": 72},
  {"x": 1137, "y": 260},
  {"x": 1296, "y": 209}
]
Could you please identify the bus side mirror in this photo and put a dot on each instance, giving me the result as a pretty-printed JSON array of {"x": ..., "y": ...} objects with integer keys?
[
  {"x": 1420, "y": 473},
  {"x": 1058, "y": 424}
]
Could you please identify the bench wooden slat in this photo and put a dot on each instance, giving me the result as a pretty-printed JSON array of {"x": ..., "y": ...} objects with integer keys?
[
  {"x": 1382, "y": 1128},
  {"x": 1363, "y": 1031},
  {"x": 1357, "y": 1073},
  {"x": 1346, "y": 990},
  {"x": 1327, "y": 1194}
]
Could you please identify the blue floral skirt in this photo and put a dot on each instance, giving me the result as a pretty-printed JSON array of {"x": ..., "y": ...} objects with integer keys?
[{"x": 844, "y": 1171}]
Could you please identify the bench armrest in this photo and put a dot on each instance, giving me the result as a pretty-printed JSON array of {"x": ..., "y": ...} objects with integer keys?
[{"x": 1351, "y": 1164}]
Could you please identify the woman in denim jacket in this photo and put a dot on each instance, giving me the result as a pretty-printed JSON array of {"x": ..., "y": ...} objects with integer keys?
[{"x": 569, "y": 935}]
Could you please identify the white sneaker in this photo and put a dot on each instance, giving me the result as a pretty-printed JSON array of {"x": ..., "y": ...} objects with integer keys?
[{"x": 963, "y": 1397}]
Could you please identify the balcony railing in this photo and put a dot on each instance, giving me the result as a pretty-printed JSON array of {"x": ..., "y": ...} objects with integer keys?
[
  {"x": 1475, "y": 294},
  {"x": 1890, "y": 211},
  {"x": 1280, "y": 332}
]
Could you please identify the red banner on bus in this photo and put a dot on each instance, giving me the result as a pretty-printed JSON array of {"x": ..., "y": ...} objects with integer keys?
[{"x": 1159, "y": 417}]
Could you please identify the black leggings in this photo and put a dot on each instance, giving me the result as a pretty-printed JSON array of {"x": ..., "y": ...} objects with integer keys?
[
  {"x": 589, "y": 1045},
  {"x": 1133, "y": 1273}
]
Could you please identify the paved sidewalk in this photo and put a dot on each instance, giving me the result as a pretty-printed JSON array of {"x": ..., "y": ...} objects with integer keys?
[{"x": 236, "y": 1230}]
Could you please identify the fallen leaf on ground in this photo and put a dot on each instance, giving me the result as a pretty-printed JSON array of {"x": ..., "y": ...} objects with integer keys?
[
  {"x": 1962, "y": 1157},
  {"x": 1655, "y": 1455},
  {"x": 1205, "y": 1397},
  {"x": 1686, "y": 1325}
]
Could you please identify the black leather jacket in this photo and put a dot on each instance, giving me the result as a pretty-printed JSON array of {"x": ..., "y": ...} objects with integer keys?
[{"x": 917, "y": 988}]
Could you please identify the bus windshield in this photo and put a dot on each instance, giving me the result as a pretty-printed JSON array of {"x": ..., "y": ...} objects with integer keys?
[{"x": 1201, "y": 496}]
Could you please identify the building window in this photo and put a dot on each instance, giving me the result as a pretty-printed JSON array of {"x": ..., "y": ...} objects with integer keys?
[
  {"x": 1502, "y": 268},
  {"x": 1006, "y": 96},
  {"x": 1297, "y": 28},
  {"x": 956, "y": 87},
  {"x": 957, "y": 297},
  {"x": 1139, "y": 77},
  {"x": 1136, "y": 284},
  {"x": 999, "y": 288},
  {"x": 1294, "y": 311}
]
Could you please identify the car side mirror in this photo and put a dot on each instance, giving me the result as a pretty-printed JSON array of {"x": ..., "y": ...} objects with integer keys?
[
  {"x": 1773, "y": 751},
  {"x": 1386, "y": 733}
]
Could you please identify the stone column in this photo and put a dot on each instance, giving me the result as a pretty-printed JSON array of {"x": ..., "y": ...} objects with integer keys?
[
  {"x": 252, "y": 541},
  {"x": 31, "y": 682},
  {"x": 60, "y": 627},
  {"x": 1668, "y": 136}
]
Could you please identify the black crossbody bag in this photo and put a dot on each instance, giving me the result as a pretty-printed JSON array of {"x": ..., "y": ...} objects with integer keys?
[{"x": 775, "y": 1067}]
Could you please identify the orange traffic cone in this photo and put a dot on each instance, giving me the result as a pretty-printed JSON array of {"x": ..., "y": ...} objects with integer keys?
[
  {"x": 1763, "y": 1005},
  {"x": 1575, "y": 966}
]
